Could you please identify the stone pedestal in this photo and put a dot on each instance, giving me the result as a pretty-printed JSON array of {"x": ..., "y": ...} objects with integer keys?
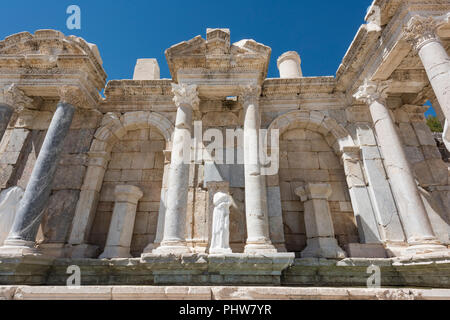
[
  {"x": 28, "y": 218},
  {"x": 185, "y": 98},
  {"x": 321, "y": 242},
  {"x": 289, "y": 65},
  {"x": 146, "y": 69},
  {"x": 258, "y": 240},
  {"x": 412, "y": 211},
  {"x": 122, "y": 222}
]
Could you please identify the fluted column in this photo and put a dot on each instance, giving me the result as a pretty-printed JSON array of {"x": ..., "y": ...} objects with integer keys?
[
  {"x": 12, "y": 100},
  {"x": 186, "y": 99},
  {"x": 421, "y": 33},
  {"x": 258, "y": 239},
  {"x": 29, "y": 214},
  {"x": 412, "y": 211}
]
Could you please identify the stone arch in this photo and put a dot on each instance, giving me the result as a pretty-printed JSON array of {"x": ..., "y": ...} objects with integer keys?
[
  {"x": 335, "y": 134},
  {"x": 340, "y": 166},
  {"x": 114, "y": 126}
]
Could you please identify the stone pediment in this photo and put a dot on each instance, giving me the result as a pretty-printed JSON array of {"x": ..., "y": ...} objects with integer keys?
[
  {"x": 50, "y": 53},
  {"x": 217, "y": 54}
]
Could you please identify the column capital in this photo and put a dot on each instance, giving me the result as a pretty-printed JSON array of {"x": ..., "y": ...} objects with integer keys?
[
  {"x": 185, "y": 94},
  {"x": 311, "y": 191},
  {"x": 371, "y": 91},
  {"x": 351, "y": 153},
  {"x": 72, "y": 95},
  {"x": 128, "y": 193},
  {"x": 421, "y": 30},
  {"x": 250, "y": 93},
  {"x": 12, "y": 96}
]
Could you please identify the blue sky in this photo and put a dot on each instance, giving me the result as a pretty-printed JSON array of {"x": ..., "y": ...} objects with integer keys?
[
  {"x": 124, "y": 31},
  {"x": 320, "y": 31}
]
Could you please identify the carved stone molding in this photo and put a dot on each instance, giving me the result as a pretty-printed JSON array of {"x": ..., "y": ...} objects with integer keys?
[
  {"x": 73, "y": 95},
  {"x": 250, "y": 93},
  {"x": 14, "y": 97},
  {"x": 372, "y": 91},
  {"x": 421, "y": 30},
  {"x": 185, "y": 94}
]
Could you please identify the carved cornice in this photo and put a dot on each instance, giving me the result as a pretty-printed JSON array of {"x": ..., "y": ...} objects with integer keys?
[
  {"x": 372, "y": 91},
  {"x": 14, "y": 97},
  {"x": 421, "y": 30},
  {"x": 185, "y": 94},
  {"x": 250, "y": 94}
]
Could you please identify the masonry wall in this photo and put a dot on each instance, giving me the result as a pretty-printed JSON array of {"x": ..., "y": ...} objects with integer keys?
[
  {"x": 137, "y": 159},
  {"x": 305, "y": 156}
]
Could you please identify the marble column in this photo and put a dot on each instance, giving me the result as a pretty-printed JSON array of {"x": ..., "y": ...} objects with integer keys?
[
  {"x": 12, "y": 100},
  {"x": 186, "y": 99},
  {"x": 29, "y": 214},
  {"x": 421, "y": 33},
  {"x": 121, "y": 227},
  {"x": 258, "y": 239},
  {"x": 321, "y": 242},
  {"x": 412, "y": 211}
]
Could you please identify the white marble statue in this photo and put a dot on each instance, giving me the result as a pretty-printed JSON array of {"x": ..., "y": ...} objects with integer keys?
[
  {"x": 220, "y": 241},
  {"x": 9, "y": 202}
]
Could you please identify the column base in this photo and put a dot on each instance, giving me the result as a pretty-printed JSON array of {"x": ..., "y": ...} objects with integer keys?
[
  {"x": 220, "y": 251},
  {"x": 19, "y": 248},
  {"x": 152, "y": 246},
  {"x": 115, "y": 252},
  {"x": 323, "y": 248},
  {"x": 259, "y": 248},
  {"x": 177, "y": 248},
  {"x": 419, "y": 249}
]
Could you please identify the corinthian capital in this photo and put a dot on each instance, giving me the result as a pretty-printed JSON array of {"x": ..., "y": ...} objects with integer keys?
[
  {"x": 73, "y": 95},
  {"x": 372, "y": 91},
  {"x": 15, "y": 98},
  {"x": 250, "y": 93},
  {"x": 185, "y": 94},
  {"x": 421, "y": 30}
]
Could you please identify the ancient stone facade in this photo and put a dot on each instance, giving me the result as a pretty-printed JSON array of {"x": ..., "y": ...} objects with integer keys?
[{"x": 358, "y": 172}]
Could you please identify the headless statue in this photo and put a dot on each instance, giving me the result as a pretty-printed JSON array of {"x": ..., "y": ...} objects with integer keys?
[
  {"x": 9, "y": 202},
  {"x": 220, "y": 237}
]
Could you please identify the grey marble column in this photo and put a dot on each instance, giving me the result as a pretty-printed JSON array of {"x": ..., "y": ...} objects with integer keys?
[
  {"x": 5, "y": 115},
  {"x": 29, "y": 214},
  {"x": 412, "y": 211},
  {"x": 174, "y": 242}
]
